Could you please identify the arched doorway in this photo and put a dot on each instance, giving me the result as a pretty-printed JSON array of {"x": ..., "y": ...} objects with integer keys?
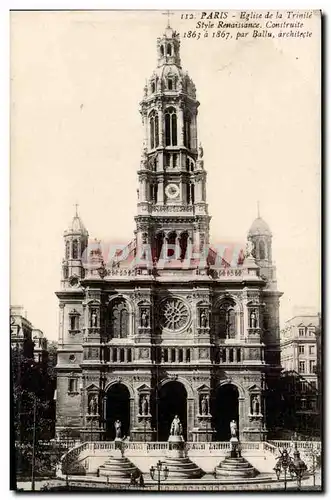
[
  {"x": 118, "y": 408},
  {"x": 226, "y": 408},
  {"x": 172, "y": 400}
]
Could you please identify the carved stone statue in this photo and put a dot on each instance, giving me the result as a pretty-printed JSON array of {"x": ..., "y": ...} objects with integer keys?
[
  {"x": 200, "y": 152},
  {"x": 204, "y": 406},
  {"x": 233, "y": 428},
  {"x": 118, "y": 429},
  {"x": 176, "y": 428},
  {"x": 249, "y": 249},
  {"x": 94, "y": 405},
  {"x": 144, "y": 318},
  {"x": 256, "y": 405},
  {"x": 144, "y": 406},
  {"x": 94, "y": 318},
  {"x": 253, "y": 319},
  {"x": 203, "y": 319}
]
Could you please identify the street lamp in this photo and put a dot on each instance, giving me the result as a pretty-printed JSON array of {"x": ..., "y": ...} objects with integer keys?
[
  {"x": 299, "y": 466},
  {"x": 156, "y": 473},
  {"x": 295, "y": 466}
]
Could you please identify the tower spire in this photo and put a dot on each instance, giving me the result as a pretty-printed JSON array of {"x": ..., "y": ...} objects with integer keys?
[
  {"x": 76, "y": 209},
  {"x": 258, "y": 209},
  {"x": 168, "y": 13}
]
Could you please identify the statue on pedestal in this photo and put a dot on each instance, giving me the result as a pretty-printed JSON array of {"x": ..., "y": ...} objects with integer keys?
[
  {"x": 118, "y": 429},
  {"x": 253, "y": 319},
  {"x": 94, "y": 318},
  {"x": 203, "y": 319},
  {"x": 233, "y": 428},
  {"x": 204, "y": 406},
  {"x": 256, "y": 405},
  {"x": 144, "y": 318},
  {"x": 176, "y": 428},
  {"x": 93, "y": 405},
  {"x": 144, "y": 406}
]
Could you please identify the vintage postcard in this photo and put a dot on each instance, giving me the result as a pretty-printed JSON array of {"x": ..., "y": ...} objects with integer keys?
[{"x": 165, "y": 311}]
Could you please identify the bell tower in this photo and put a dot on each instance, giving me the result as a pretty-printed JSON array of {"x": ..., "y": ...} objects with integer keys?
[{"x": 172, "y": 209}]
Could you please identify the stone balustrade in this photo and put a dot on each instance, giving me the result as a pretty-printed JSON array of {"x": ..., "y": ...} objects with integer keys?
[{"x": 221, "y": 354}]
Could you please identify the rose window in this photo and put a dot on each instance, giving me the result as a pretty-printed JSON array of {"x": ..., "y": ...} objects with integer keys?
[{"x": 174, "y": 314}]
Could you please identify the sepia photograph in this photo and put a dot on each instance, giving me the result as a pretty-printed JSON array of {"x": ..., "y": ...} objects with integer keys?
[{"x": 165, "y": 231}]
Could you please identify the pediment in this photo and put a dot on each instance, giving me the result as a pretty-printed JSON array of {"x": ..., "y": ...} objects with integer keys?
[
  {"x": 92, "y": 387},
  {"x": 203, "y": 388},
  {"x": 254, "y": 388},
  {"x": 143, "y": 388}
]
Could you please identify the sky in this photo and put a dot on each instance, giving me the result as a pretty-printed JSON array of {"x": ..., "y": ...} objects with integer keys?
[{"x": 76, "y": 137}]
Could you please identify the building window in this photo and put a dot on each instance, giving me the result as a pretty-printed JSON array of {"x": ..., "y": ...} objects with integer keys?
[
  {"x": 302, "y": 367},
  {"x": 154, "y": 129},
  {"x": 68, "y": 250},
  {"x": 301, "y": 349},
  {"x": 169, "y": 50},
  {"x": 75, "y": 249},
  {"x": 187, "y": 130},
  {"x": 311, "y": 349},
  {"x": 119, "y": 319},
  {"x": 311, "y": 332},
  {"x": 72, "y": 385},
  {"x": 301, "y": 332},
  {"x": 170, "y": 118},
  {"x": 153, "y": 87},
  {"x": 313, "y": 384},
  {"x": 262, "y": 250},
  {"x": 312, "y": 366},
  {"x": 170, "y": 84},
  {"x": 74, "y": 320}
]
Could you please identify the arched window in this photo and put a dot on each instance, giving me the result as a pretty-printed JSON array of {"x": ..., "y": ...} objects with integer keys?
[
  {"x": 187, "y": 130},
  {"x": 119, "y": 319},
  {"x": 67, "y": 249},
  {"x": 170, "y": 127},
  {"x": 170, "y": 84},
  {"x": 169, "y": 50},
  {"x": 262, "y": 250},
  {"x": 154, "y": 129},
  {"x": 162, "y": 50},
  {"x": 75, "y": 249},
  {"x": 227, "y": 320},
  {"x": 153, "y": 87}
]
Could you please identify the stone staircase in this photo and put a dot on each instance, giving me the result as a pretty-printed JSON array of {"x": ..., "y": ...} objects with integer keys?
[{"x": 206, "y": 456}]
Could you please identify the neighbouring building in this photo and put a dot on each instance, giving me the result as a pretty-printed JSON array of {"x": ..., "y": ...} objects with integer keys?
[
  {"x": 40, "y": 346},
  {"x": 299, "y": 381},
  {"x": 299, "y": 347},
  {"x": 21, "y": 331},
  {"x": 172, "y": 325}
]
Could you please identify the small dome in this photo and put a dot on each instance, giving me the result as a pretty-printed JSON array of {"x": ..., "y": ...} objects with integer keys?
[
  {"x": 259, "y": 227},
  {"x": 76, "y": 226}
]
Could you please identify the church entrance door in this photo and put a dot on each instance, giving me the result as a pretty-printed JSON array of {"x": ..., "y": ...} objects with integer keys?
[
  {"x": 226, "y": 408},
  {"x": 172, "y": 400},
  {"x": 118, "y": 408}
]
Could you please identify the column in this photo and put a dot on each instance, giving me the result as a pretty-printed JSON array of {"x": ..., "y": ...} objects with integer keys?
[
  {"x": 132, "y": 414},
  {"x": 161, "y": 134},
  {"x": 177, "y": 251},
  {"x": 125, "y": 354},
  {"x": 181, "y": 125},
  {"x": 242, "y": 422},
  {"x": 227, "y": 354},
  {"x": 160, "y": 192},
  {"x": 235, "y": 355}
]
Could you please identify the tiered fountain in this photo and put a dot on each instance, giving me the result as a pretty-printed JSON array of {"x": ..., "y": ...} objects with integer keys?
[
  {"x": 118, "y": 466},
  {"x": 234, "y": 466},
  {"x": 176, "y": 460}
]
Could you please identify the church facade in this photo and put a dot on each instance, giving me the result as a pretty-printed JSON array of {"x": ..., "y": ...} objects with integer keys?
[{"x": 171, "y": 326}]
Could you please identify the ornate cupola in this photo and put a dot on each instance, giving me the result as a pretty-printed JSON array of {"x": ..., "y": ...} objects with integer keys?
[
  {"x": 76, "y": 241},
  {"x": 172, "y": 180}
]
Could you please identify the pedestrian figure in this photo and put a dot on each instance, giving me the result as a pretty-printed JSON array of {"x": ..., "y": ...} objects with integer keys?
[{"x": 141, "y": 481}]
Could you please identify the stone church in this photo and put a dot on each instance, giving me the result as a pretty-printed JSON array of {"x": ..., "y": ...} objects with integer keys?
[{"x": 171, "y": 325}]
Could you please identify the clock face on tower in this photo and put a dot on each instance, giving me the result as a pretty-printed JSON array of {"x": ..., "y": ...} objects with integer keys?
[{"x": 172, "y": 191}]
